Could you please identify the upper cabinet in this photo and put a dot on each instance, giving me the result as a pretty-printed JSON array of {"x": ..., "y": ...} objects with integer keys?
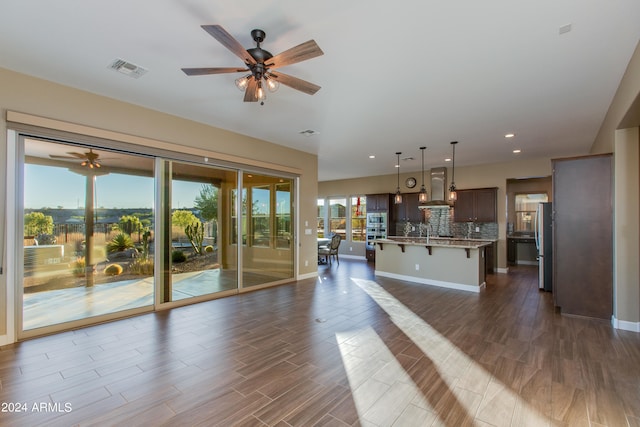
[
  {"x": 407, "y": 210},
  {"x": 378, "y": 202},
  {"x": 476, "y": 205}
]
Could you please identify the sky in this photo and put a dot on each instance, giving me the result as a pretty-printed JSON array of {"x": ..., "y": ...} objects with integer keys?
[{"x": 52, "y": 187}]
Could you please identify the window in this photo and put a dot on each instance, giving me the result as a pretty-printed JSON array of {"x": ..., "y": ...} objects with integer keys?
[
  {"x": 260, "y": 216},
  {"x": 322, "y": 211},
  {"x": 283, "y": 216},
  {"x": 358, "y": 218},
  {"x": 526, "y": 205},
  {"x": 233, "y": 230},
  {"x": 338, "y": 216}
]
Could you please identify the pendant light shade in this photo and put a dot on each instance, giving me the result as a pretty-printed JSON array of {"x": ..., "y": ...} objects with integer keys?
[
  {"x": 453, "y": 196},
  {"x": 398, "y": 197},
  {"x": 423, "y": 196}
]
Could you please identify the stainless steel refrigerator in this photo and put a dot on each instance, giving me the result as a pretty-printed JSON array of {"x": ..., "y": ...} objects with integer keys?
[{"x": 544, "y": 240}]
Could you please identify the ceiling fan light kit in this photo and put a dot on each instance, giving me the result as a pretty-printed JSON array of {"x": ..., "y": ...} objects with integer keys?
[{"x": 260, "y": 63}]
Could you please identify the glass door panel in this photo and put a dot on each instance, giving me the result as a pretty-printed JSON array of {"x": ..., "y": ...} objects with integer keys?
[
  {"x": 87, "y": 231},
  {"x": 267, "y": 254},
  {"x": 203, "y": 260}
]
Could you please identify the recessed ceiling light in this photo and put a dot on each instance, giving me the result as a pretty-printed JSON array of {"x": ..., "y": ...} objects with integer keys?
[
  {"x": 510, "y": 135},
  {"x": 447, "y": 159},
  {"x": 516, "y": 151},
  {"x": 372, "y": 156}
]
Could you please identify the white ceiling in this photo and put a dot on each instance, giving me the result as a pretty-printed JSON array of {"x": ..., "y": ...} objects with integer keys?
[{"x": 395, "y": 75}]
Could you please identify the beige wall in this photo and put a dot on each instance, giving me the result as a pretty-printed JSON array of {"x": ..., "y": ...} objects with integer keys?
[
  {"x": 623, "y": 102},
  {"x": 491, "y": 175},
  {"x": 627, "y": 225},
  {"x": 37, "y": 97},
  {"x": 619, "y": 134}
]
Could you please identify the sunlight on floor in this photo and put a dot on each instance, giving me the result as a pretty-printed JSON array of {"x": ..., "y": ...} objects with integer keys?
[
  {"x": 391, "y": 397},
  {"x": 387, "y": 394}
]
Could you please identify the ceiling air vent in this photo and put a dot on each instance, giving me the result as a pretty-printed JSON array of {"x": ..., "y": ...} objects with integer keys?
[
  {"x": 309, "y": 132},
  {"x": 127, "y": 68}
]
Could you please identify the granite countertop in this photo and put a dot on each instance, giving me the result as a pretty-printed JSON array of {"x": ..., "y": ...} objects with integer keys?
[{"x": 437, "y": 241}]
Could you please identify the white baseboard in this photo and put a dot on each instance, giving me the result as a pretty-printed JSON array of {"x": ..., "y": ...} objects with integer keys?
[
  {"x": 4, "y": 340},
  {"x": 307, "y": 275},
  {"x": 624, "y": 325},
  {"x": 352, "y": 256},
  {"x": 502, "y": 270},
  {"x": 439, "y": 283}
]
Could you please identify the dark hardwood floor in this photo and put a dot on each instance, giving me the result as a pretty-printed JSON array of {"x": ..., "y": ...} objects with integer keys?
[{"x": 345, "y": 349}]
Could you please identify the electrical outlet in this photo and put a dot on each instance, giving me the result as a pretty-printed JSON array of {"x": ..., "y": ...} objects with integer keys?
[
  {"x": 306, "y": 263},
  {"x": 417, "y": 267},
  {"x": 350, "y": 248},
  {"x": 477, "y": 229}
]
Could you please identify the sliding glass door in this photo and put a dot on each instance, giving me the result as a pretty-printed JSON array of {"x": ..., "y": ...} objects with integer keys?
[
  {"x": 107, "y": 233},
  {"x": 201, "y": 260},
  {"x": 87, "y": 233},
  {"x": 267, "y": 253}
]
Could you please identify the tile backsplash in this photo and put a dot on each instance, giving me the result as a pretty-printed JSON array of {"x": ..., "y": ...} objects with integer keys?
[{"x": 440, "y": 222}]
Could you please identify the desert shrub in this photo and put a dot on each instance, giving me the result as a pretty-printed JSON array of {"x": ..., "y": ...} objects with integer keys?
[
  {"x": 208, "y": 248},
  {"x": 120, "y": 242},
  {"x": 142, "y": 266},
  {"x": 77, "y": 266},
  {"x": 178, "y": 256},
  {"x": 129, "y": 224},
  {"x": 113, "y": 270}
]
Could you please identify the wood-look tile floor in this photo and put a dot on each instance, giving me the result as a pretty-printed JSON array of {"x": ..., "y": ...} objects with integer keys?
[{"x": 345, "y": 349}]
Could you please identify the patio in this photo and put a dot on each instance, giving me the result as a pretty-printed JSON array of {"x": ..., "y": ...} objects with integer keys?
[{"x": 64, "y": 305}]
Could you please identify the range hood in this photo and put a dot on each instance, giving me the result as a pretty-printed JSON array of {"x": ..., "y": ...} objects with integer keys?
[{"x": 438, "y": 190}]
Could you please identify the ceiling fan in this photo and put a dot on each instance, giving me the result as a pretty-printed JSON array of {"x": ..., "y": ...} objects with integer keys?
[
  {"x": 89, "y": 159},
  {"x": 260, "y": 64}
]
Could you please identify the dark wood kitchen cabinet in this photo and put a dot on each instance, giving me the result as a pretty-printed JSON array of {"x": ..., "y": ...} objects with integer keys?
[
  {"x": 583, "y": 235},
  {"x": 407, "y": 210},
  {"x": 476, "y": 205},
  {"x": 378, "y": 202}
]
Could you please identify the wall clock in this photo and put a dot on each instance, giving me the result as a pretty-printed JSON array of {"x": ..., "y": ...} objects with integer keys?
[{"x": 410, "y": 182}]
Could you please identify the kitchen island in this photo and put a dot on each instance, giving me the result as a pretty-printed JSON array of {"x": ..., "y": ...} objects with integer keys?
[{"x": 445, "y": 262}]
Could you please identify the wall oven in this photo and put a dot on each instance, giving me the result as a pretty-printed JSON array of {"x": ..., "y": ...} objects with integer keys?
[{"x": 376, "y": 227}]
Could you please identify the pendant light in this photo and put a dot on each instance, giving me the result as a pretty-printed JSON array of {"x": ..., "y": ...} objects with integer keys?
[
  {"x": 422, "y": 196},
  {"x": 398, "y": 198},
  {"x": 452, "y": 189}
]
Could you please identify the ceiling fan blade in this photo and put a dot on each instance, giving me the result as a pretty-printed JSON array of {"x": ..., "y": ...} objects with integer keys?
[
  {"x": 302, "y": 52},
  {"x": 295, "y": 83},
  {"x": 53, "y": 156},
  {"x": 250, "y": 92},
  {"x": 214, "y": 70},
  {"x": 78, "y": 155},
  {"x": 227, "y": 40}
]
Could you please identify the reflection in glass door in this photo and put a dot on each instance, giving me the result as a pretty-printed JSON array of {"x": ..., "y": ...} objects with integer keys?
[
  {"x": 202, "y": 260},
  {"x": 88, "y": 241},
  {"x": 267, "y": 252}
]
